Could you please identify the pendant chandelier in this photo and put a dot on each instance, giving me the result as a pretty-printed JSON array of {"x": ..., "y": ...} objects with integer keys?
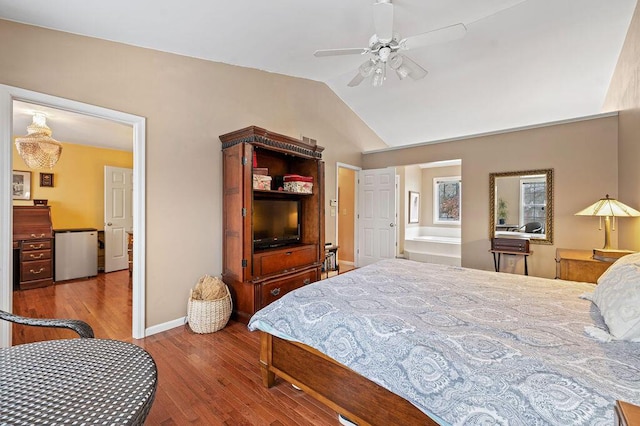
[{"x": 38, "y": 149}]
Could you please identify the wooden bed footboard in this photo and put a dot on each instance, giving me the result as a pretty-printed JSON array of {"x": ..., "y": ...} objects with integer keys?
[{"x": 340, "y": 388}]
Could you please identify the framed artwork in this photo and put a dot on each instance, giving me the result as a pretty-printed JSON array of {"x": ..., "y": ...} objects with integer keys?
[
  {"x": 414, "y": 207},
  {"x": 46, "y": 179},
  {"x": 21, "y": 185}
]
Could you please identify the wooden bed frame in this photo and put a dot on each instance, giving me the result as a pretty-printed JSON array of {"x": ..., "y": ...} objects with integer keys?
[{"x": 348, "y": 393}]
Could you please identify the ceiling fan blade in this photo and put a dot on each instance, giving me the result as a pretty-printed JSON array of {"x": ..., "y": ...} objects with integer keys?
[
  {"x": 337, "y": 52},
  {"x": 416, "y": 72},
  {"x": 383, "y": 20},
  {"x": 442, "y": 35},
  {"x": 356, "y": 80}
]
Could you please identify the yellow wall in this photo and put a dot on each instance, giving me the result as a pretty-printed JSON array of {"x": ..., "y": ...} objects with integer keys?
[{"x": 77, "y": 197}]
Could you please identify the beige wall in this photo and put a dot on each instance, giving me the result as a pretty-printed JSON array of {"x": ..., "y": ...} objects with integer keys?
[
  {"x": 188, "y": 103},
  {"x": 584, "y": 157},
  {"x": 509, "y": 192},
  {"x": 624, "y": 95},
  {"x": 410, "y": 180}
]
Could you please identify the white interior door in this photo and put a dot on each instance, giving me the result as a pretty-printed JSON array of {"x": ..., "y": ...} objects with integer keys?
[
  {"x": 377, "y": 216},
  {"x": 118, "y": 216}
]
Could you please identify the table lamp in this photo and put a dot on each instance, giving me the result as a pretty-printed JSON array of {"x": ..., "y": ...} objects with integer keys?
[{"x": 608, "y": 207}]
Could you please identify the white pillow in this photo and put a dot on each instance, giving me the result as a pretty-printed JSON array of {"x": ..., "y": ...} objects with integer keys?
[
  {"x": 617, "y": 295},
  {"x": 624, "y": 260}
]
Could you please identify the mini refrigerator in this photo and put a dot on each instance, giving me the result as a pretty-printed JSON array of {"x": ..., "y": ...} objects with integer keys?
[{"x": 75, "y": 253}]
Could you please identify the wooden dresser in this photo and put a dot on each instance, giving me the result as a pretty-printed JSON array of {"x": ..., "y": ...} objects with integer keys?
[{"x": 33, "y": 240}]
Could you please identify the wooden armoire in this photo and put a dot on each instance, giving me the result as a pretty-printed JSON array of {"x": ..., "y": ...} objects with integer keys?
[{"x": 258, "y": 275}]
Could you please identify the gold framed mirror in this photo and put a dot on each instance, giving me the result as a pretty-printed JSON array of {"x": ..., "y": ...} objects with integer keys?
[{"x": 521, "y": 205}]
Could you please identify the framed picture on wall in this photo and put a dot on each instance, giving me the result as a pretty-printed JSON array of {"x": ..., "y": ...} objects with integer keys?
[
  {"x": 414, "y": 207},
  {"x": 46, "y": 179},
  {"x": 21, "y": 185}
]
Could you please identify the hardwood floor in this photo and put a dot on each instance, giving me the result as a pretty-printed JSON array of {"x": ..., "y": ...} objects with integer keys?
[{"x": 203, "y": 379}]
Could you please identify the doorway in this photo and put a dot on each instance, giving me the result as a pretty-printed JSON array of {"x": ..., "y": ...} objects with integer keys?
[
  {"x": 7, "y": 95},
  {"x": 345, "y": 213}
]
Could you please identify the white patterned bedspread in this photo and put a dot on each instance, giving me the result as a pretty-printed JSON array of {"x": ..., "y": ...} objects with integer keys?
[{"x": 465, "y": 346}]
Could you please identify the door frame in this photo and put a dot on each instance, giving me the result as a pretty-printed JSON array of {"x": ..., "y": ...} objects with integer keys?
[
  {"x": 355, "y": 205},
  {"x": 7, "y": 95}
]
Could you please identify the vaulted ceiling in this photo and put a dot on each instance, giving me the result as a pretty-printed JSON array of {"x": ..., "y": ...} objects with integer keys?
[{"x": 520, "y": 63}]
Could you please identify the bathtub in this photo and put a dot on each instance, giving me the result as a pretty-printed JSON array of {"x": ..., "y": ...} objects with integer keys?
[{"x": 433, "y": 245}]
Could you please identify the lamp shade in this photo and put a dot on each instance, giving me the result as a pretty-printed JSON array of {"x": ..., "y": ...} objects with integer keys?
[{"x": 608, "y": 207}]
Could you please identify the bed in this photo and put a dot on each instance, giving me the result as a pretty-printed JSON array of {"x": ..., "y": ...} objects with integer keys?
[{"x": 403, "y": 342}]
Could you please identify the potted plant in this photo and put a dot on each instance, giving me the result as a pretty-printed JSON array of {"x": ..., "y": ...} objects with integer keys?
[{"x": 502, "y": 211}]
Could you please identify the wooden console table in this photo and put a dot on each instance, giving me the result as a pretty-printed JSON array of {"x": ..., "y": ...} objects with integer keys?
[{"x": 496, "y": 261}]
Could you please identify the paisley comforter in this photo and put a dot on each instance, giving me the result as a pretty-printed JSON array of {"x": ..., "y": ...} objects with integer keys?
[{"x": 465, "y": 346}]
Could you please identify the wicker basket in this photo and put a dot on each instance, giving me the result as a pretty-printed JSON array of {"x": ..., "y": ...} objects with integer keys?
[{"x": 207, "y": 316}]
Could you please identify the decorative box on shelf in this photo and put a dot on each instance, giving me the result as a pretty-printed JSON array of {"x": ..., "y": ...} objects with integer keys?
[
  {"x": 517, "y": 245},
  {"x": 260, "y": 171},
  {"x": 297, "y": 183},
  {"x": 261, "y": 182}
]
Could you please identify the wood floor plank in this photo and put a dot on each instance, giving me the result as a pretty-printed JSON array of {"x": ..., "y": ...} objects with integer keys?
[{"x": 203, "y": 379}]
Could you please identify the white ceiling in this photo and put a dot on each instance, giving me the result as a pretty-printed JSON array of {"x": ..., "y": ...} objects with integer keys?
[
  {"x": 71, "y": 127},
  {"x": 521, "y": 63}
]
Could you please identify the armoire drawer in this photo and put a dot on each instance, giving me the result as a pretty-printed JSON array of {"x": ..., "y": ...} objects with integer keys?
[
  {"x": 283, "y": 260},
  {"x": 274, "y": 289}
]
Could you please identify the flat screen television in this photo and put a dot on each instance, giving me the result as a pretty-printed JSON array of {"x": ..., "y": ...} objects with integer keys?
[{"x": 276, "y": 223}]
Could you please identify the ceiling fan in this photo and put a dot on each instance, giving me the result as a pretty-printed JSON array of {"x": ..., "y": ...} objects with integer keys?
[{"x": 385, "y": 47}]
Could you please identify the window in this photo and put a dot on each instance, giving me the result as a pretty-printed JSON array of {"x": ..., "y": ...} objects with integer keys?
[
  {"x": 533, "y": 195},
  {"x": 446, "y": 200}
]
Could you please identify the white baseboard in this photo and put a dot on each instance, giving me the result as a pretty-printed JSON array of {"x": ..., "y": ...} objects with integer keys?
[{"x": 179, "y": 322}]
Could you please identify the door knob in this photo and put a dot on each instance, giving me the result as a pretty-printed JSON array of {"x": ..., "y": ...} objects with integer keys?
[
  {"x": 391, "y": 225},
  {"x": 109, "y": 224}
]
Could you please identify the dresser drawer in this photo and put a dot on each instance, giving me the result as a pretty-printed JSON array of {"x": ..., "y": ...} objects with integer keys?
[
  {"x": 29, "y": 255},
  {"x": 35, "y": 245},
  {"x": 274, "y": 289},
  {"x": 37, "y": 270},
  {"x": 283, "y": 260}
]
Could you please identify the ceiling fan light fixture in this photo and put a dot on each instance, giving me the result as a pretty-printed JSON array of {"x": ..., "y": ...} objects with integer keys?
[
  {"x": 379, "y": 75},
  {"x": 402, "y": 72},
  {"x": 395, "y": 62},
  {"x": 367, "y": 68}
]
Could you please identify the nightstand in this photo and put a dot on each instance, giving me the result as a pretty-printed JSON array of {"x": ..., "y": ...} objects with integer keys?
[{"x": 579, "y": 265}]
